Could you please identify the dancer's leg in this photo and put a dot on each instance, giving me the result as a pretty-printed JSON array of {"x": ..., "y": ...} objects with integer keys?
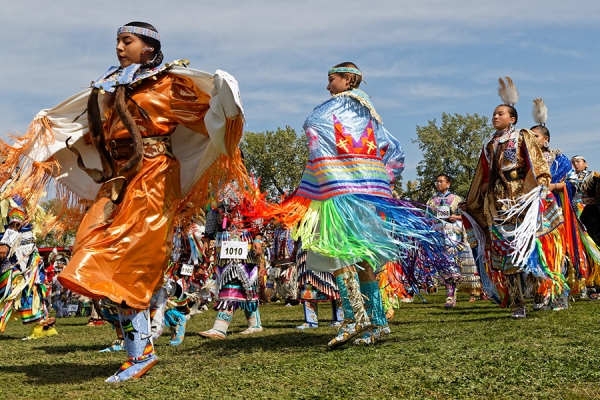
[
  {"x": 138, "y": 343},
  {"x": 347, "y": 281},
  {"x": 311, "y": 319}
]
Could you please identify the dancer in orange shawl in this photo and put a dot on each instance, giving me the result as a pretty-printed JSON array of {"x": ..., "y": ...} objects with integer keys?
[{"x": 167, "y": 135}]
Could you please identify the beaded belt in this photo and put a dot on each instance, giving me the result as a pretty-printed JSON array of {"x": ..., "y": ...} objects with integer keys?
[{"x": 153, "y": 146}]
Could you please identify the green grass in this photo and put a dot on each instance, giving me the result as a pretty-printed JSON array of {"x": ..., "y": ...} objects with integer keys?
[{"x": 473, "y": 351}]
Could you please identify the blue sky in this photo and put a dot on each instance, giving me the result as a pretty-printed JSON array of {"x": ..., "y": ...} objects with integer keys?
[{"x": 420, "y": 58}]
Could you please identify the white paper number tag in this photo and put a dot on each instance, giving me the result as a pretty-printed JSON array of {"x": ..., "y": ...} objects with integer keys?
[
  {"x": 73, "y": 307},
  {"x": 237, "y": 250},
  {"x": 187, "y": 270}
]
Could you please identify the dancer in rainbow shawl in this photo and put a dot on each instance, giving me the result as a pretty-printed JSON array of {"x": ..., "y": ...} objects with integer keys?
[
  {"x": 343, "y": 209},
  {"x": 583, "y": 255}
]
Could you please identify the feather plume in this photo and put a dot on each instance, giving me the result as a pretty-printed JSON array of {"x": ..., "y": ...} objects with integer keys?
[
  {"x": 539, "y": 112},
  {"x": 508, "y": 91}
]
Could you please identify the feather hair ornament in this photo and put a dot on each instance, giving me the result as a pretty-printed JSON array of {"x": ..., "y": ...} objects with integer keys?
[
  {"x": 539, "y": 112},
  {"x": 508, "y": 91}
]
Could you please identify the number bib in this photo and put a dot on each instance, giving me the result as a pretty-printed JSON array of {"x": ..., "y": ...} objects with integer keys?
[
  {"x": 443, "y": 212},
  {"x": 187, "y": 270},
  {"x": 234, "y": 250}
]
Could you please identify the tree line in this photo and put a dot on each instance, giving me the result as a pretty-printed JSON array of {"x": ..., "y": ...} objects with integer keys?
[
  {"x": 453, "y": 147},
  {"x": 278, "y": 158}
]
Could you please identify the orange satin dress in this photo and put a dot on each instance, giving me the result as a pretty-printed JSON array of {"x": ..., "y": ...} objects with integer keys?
[{"x": 121, "y": 252}]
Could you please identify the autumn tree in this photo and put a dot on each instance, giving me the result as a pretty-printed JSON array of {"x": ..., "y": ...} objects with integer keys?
[
  {"x": 276, "y": 157},
  {"x": 66, "y": 226},
  {"x": 409, "y": 192},
  {"x": 452, "y": 149}
]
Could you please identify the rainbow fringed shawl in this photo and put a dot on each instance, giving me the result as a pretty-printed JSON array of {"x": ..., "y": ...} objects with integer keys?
[{"x": 343, "y": 209}]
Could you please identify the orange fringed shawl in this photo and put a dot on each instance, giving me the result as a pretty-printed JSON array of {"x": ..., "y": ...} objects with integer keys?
[{"x": 121, "y": 251}]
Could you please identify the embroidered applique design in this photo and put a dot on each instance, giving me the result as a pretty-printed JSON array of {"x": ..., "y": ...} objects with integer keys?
[{"x": 346, "y": 144}]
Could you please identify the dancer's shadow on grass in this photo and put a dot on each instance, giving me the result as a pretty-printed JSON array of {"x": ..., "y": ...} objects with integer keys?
[
  {"x": 428, "y": 321},
  {"x": 472, "y": 311},
  {"x": 69, "y": 348},
  {"x": 287, "y": 323},
  {"x": 285, "y": 341},
  {"x": 290, "y": 340},
  {"x": 7, "y": 337},
  {"x": 71, "y": 322},
  {"x": 59, "y": 373}
]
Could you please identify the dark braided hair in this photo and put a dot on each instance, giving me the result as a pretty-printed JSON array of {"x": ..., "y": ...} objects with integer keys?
[
  {"x": 542, "y": 129},
  {"x": 511, "y": 111},
  {"x": 354, "y": 80},
  {"x": 122, "y": 94},
  {"x": 155, "y": 44}
]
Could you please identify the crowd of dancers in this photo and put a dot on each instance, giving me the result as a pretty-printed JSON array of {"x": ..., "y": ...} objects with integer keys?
[{"x": 147, "y": 167}]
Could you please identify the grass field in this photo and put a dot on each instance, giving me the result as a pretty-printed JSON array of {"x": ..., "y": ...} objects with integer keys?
[{"x": 473, "y": 351}]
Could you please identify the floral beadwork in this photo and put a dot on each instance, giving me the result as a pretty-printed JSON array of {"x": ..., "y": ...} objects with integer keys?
[{"x": 510, "y": 151}]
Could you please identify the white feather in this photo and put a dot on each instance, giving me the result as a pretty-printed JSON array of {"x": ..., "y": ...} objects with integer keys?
[
  {"x": 508, "y": 91},
  {"x": 539, "y": 112}
]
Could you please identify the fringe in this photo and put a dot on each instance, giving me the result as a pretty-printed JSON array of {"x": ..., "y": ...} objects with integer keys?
[
  {"x": 290, "y": 212},
  {"x": 319, "y": 280},
  {"x": 39, "y": 332},
  {"x": 524, "y": 234},
  {"x": 479, "y": 236},
  {"x": 236, "y": 271},
  {"x": 39, "y": 133},
  {"x": 588, "y": 182},
  {"x": 549, "y": 256},
  {"x": 32, "y": 180},
  {"x": 224, "y": 305},
  {"x": 392, "y": 285},
  {"x": 365, "y": 227},
  {"x": 222, "y": 171},
  {"x": 6, "y": 310}
]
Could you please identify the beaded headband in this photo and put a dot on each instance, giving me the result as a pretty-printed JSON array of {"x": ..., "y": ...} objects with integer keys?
[
  {"x": 138, "y": 31},
  {"x": 574, "y": 158},
  {"x": 16, "y": 214},
  {"x": 338, "y": 70}
]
